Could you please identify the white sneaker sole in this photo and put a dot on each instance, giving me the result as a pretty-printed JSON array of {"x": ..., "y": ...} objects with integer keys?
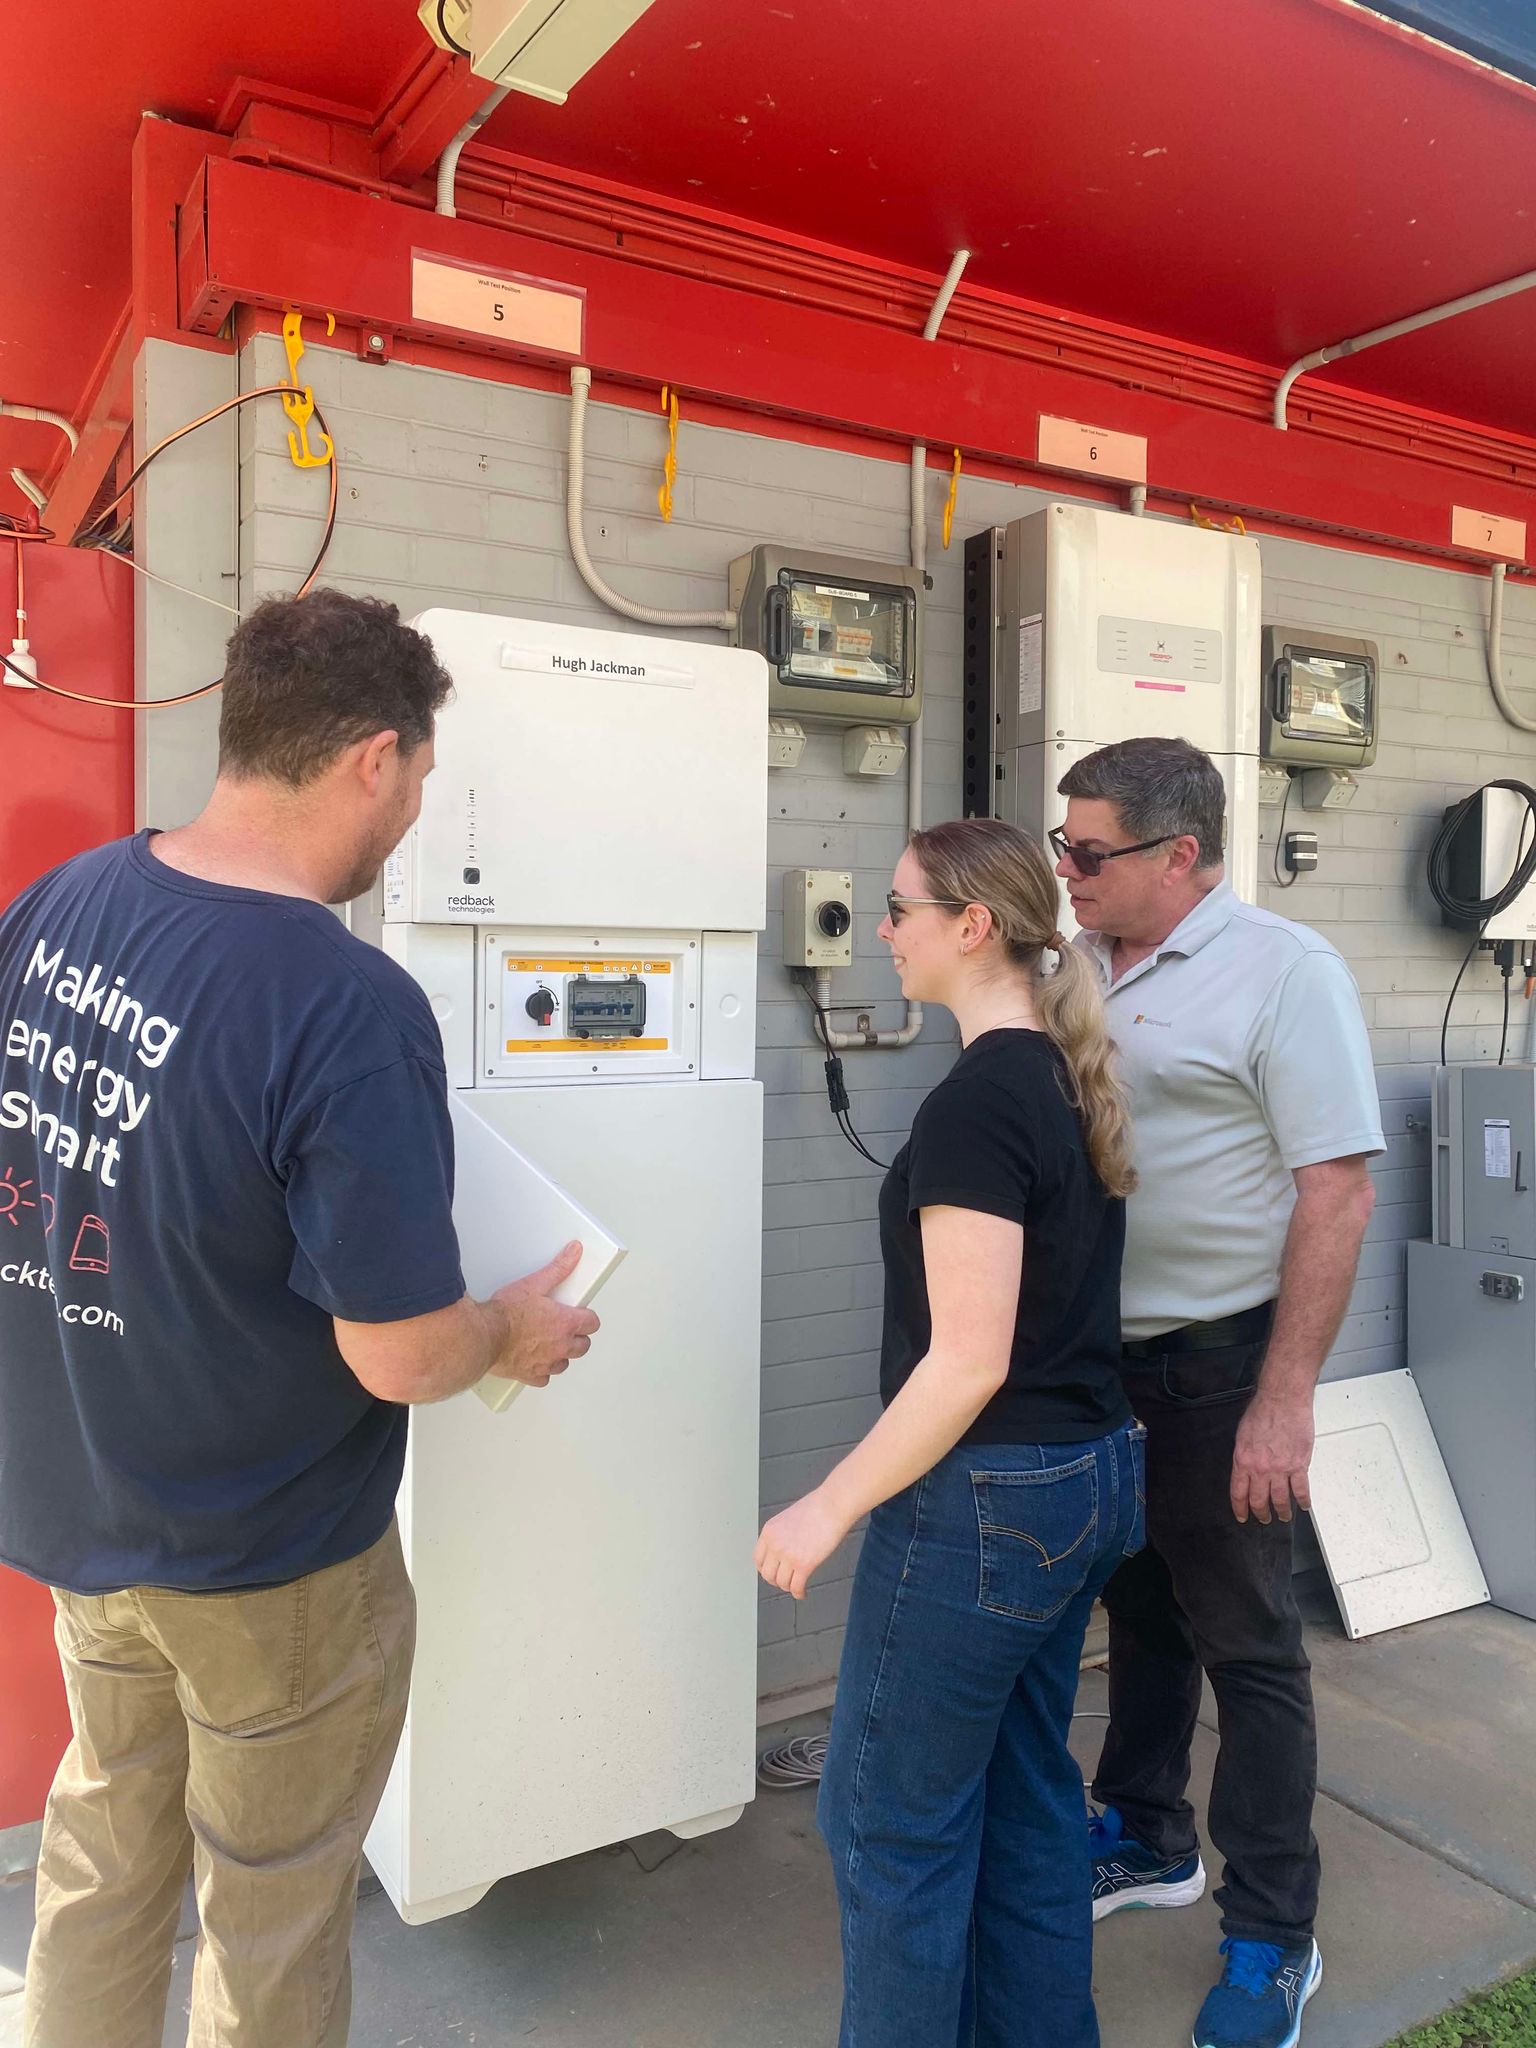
[
  {"x": 1314, "y": 1980},
  {"x": 1152, "y": 1897}
]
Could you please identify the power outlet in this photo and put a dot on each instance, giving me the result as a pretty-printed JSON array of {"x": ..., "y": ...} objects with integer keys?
[
  {"x": 818, "y": 919},
  {"x": 873, "y": 750}
]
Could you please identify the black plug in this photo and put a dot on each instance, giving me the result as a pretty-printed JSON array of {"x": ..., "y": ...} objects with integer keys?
[{"x": 837, "y": 1093}]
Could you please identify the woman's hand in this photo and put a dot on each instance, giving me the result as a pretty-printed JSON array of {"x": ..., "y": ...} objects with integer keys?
[{"x": 798, "y": 1541}]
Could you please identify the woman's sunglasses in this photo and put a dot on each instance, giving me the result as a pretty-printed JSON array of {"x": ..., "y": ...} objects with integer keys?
[
  {"x": 898, "y": 906},
  {"x": 1088, "y": 860}
]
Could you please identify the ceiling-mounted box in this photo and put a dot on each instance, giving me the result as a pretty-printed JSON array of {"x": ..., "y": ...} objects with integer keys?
[
  {"x": 842, "y": 638},
  {"x": 542, "y": 47},
  {"x": 1320, "y": 696}
]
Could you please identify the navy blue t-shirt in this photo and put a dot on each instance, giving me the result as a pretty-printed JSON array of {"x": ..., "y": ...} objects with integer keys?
[{"x": 223, "y": 1121}]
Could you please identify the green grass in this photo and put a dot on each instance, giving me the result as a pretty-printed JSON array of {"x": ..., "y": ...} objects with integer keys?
[{"x": 1503, "y": 2018}]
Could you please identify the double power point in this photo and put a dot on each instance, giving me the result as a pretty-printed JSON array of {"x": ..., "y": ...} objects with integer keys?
[{"x": 818, "y": 918}]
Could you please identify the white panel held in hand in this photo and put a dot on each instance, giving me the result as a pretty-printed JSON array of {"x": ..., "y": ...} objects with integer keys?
[{"x": 512, "y": 1219}]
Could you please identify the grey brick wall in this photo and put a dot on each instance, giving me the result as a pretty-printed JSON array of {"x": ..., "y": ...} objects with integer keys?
[{"x": 452, "y": 493}]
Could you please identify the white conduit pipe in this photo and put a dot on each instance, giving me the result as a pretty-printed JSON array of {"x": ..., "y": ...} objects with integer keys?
[
  {"x": 30, "y": 489},
  {"x": 1496, "y": 652},
  {"x": 448, "y": 162},
  {"x": 1467, "y": 303},
  {"x": 894, "y": 1041},
  {"x": 37, "y": 412},
  {"x": 645, "y": 614}
]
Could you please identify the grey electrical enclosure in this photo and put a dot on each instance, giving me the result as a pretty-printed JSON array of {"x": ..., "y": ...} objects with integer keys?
[
  {"x": 842, "y": 638},
  {"x": 1472, "y": 1315},
  {"x": 1320, "y": 697}
]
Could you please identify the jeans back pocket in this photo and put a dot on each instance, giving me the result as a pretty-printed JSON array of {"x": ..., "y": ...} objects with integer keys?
[{"x": 1039, "y": 1537}]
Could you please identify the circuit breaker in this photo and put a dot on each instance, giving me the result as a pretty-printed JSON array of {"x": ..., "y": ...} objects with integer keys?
[{"x": 842, "y": 638}]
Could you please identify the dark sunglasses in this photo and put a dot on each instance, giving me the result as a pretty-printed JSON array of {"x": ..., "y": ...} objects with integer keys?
[
  {"x": 898, "y": 906},
  {"x": 1087, "y": 861}
]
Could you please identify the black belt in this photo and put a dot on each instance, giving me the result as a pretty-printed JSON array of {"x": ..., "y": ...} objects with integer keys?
[{"x": 1244, "y": 1328}]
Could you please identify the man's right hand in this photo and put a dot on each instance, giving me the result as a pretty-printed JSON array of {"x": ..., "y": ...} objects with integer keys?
[{"x": 543, "y": 1336}]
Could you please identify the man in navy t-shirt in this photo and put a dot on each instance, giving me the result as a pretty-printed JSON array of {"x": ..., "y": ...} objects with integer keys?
[{"x": 227, "y": 1262}]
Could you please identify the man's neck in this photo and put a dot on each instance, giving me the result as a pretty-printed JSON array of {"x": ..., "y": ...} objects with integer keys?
[
  {"x": 247, "y": 836},
  {"x": 1127, "y": 952}
]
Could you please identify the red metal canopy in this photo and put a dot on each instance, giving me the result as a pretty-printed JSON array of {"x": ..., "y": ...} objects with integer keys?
[{"x": 1256, "y": 176}]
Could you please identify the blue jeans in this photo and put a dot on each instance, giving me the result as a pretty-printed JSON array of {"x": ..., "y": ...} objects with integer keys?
[{"x": 950, "y": 1803}]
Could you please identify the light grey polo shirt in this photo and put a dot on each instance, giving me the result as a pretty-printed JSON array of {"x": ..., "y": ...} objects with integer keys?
[{"x": 1244, "y": 1048}]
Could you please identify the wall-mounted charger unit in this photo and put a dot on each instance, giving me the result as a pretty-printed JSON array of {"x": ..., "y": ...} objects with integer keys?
[{"x": 1299, "y": 852}]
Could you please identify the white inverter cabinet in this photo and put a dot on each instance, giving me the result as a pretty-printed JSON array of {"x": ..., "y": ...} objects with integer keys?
[
  {"x": 580, "y": 900},
  {"x": 1084, "y": 626}
]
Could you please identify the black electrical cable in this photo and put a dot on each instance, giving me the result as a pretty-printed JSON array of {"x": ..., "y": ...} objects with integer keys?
[
  {"x": 457, "y": 48},
  {"x": 1282, "y": 881},
  {"x": 92, "y": 540},
  {"x": 1466, "y": 962},
  {"x": 1507, "y": 968},
  {"x": 837, "y": 1091},
  {"x": 1477, "y": 910}
]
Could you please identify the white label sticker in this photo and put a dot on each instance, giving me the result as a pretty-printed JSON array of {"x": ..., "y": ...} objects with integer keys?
[
  {"x": 1496, "y": 1148},
  {"x": 394, "y": 881},
  {"x": 1031, "y": 663},
  {"x": 550, "y": 661}
]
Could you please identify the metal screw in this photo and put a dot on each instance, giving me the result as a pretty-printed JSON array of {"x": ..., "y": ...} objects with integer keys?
[{"x": 376, "y": 342}]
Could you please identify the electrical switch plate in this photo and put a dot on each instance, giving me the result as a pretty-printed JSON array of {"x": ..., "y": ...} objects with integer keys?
[
  {"x": 1272, "y": 783},
  {"x": 818, "y": 919}
]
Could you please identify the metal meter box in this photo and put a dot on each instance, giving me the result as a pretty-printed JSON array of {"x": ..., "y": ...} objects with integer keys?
[
  {"x": 1320, "y": 697},
  {"x": 1084, "y": 626},
  {"x": 1472, "y": 1314},
  {"x": 1484, "y": 1124},
  {"x": 842, "y": 638}
]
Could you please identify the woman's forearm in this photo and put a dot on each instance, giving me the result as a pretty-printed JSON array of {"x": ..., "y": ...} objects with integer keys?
[{"x": 923, "y": 1424}]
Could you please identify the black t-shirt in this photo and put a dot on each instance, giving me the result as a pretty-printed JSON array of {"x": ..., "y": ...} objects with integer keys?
[{"x": 999, "y": 1135}]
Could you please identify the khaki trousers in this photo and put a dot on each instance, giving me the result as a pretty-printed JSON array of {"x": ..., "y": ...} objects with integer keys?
[{"x": 245, "y": 1737}]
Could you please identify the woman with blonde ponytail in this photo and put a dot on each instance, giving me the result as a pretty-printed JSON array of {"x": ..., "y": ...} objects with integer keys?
[{"x": 1003, "y": 1482}]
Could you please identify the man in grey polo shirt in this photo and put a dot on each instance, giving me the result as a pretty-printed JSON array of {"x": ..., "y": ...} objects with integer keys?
[{"x": 1255, "y": 1108}]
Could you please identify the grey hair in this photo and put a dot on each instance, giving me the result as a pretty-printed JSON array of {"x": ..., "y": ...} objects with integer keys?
[{"x": 1161, "y": 789}]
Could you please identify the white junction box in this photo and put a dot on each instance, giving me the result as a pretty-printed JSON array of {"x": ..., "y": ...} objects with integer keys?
[
  {"x": 818, "y": 918},
  {"x": 1105, "y": 627},
  {"x": 580, "y": 899}
]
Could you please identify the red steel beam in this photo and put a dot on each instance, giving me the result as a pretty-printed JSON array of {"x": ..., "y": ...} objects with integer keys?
[
  {"x": 429, "y": 106},
  {"x": 267, "y": 238}
]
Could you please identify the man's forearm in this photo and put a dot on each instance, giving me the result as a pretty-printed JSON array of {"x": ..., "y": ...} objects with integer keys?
[
  {"x": 1317, "y": 1273},
  {"x": 471, "y": 1347}
]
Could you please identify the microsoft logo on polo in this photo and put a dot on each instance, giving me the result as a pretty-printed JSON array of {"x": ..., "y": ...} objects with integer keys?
[{"x": 1161, "y": 1023}]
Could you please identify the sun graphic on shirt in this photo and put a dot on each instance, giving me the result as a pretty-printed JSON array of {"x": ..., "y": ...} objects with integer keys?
[{"x": 13, "y": 1198}]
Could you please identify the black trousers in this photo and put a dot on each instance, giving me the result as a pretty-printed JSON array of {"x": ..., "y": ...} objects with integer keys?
[{"x": 1211, "y": 1594}]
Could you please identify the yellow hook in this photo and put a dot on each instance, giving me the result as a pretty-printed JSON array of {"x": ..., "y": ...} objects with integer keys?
[
  {"x": 669, "y": 467},
  {"x": 299, "y": 402},
  {"x": 949, "y": 502}
]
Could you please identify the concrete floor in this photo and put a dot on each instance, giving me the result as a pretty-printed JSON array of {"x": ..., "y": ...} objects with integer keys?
[{"x": 1427, "y": 1824}]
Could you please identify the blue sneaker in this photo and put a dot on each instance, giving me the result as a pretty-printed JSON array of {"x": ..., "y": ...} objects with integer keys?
[
  {"x": 1261, "y": 1997},
  {"x": 1125, "y": 1874}
]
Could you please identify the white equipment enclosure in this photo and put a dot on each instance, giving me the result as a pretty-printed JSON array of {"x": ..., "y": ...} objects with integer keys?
[
  {"x": 580, "y": 900},
  {"x": 1085, "y": 627}
]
